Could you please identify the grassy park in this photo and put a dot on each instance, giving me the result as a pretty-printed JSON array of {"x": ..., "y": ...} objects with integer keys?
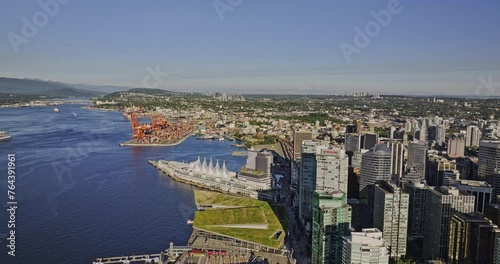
[{"x": 235, "y": 210}]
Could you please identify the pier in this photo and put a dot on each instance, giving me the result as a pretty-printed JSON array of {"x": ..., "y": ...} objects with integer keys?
[
  {"x": 134, "y": 143},
  {"x": 170, "y": 255},
  {"x": 209, "y": 183},
  {"x": 153, "y": 258}
]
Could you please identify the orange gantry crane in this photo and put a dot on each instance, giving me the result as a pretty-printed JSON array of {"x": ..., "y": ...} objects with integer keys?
[{"x": 158, "y": 131}]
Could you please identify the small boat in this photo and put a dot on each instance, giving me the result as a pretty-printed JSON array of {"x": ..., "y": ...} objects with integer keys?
[
  {"x": 4, "y": 135},
  {"x": 56, "y": 110},
  {"x": 221, "y": 139},
  {"x": 240, "y": 153}
]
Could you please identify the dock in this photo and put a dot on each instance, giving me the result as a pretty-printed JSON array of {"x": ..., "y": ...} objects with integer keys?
[
  {"x": 132, "y": 143},
  {"x": 153, "y": 258},
  {"x": 170, "y": 255},
  {"x": 159, "y": 133},
  {"x": 206, "y": 184},
  {"x": 204, "y": 251}
]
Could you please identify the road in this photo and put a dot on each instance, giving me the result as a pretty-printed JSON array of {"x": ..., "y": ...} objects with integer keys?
[{"x": 299, "y": 246}]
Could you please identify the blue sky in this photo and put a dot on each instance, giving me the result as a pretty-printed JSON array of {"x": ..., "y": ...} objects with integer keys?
[{"x": 260, "y": 46}]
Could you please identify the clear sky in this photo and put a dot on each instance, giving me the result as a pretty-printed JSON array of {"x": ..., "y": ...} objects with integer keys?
[{"x": 260, "y": 46}]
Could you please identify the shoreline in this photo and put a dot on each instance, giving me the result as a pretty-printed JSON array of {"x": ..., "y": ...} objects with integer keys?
[
  {"x": 43, "y": 103},
  {"x": 101, "y": 109},
  {"x": 129, "y": 144},
  {"x": 28, "y": 106},
  {"x": 190, "y": 183}
]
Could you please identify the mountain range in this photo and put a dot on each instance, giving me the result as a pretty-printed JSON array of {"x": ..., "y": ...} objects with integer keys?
[
  {"x": 40, "y": 88},
  {"x": 37, "y": 87}
]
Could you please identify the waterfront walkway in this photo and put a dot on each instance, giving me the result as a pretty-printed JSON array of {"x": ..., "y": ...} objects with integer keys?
[{"x": 168, "y": 256}]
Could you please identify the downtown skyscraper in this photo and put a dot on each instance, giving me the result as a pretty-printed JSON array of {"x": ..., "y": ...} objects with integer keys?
[
  {"x": 473, "y": 239},
  {"x": 489, "y": 165},
  {"x": 441, "y": 203},
  {"x": 322, "y": 168},
  {"x": 331, "y": 222},
  {"x": 367, "y": 246},
  {"x": 375, "y": 166},
  {"x": 456, "y": 146},
  {"x": 417, "y": 157},
  {"x": 417, "y": 192},
  {"x": 473, "y": 136},
  {"x": 397, "y": 149},
  {"x": 390, "y": 214}
]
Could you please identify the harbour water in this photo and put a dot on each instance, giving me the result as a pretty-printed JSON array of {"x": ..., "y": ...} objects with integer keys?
[{"x": 82, "y": 196}]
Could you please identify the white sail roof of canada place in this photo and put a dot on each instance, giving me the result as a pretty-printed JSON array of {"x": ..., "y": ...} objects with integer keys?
[{"x": 211, "y": 169}]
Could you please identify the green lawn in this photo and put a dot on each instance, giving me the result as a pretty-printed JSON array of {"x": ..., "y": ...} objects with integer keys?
[
  {"x": 255, "y": 212},
  {"x": 251, "y": 215},
  {"x": 215, "y": 198}
]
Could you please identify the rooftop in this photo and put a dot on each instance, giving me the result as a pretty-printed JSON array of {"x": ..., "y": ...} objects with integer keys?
[
  {"x": 416, "y": 184},
  {"x": 251, "y": 216},
  {"x": 448, "y": 190},
  {"x": 368, "y": 236},
  {"x": 388, "y": 187},
  {"x": 239, "y": 217},
  {"x": 489, "y": 143},
  {"x": 496, "y": 206},
  {"x": 381, "y": 147},
  {"x": 474, "y": 183},
  {"x": 475, "y": 217},
  {"x": 223, "y": 200},
  {"x": 332, "y": 194},
  {"x": 257, "y": 173}
]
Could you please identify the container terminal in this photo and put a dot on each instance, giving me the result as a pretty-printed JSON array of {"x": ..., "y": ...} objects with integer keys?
[{"x": 159, "y": 132}]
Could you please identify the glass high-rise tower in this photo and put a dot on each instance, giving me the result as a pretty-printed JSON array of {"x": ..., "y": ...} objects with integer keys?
[
  {"x": 331, "y": 221},
  {"x": 489, "y": 165}
]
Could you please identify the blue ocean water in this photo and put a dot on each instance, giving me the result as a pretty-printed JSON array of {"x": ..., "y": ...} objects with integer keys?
[{"x": 82, "y": 196}]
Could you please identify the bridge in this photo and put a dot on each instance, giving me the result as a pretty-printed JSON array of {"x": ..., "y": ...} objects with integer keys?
[{"x": 287, "y": 147}]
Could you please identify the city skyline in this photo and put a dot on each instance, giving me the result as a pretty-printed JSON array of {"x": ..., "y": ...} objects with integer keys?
[
  {"x": 295, "y": 48},
  {"x": 233, "y": 131}
]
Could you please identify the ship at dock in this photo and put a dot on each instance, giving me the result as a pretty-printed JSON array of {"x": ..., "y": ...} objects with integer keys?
[
  {"x": 206, "y": 137},
  {"x": 213, "y": 176}
]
